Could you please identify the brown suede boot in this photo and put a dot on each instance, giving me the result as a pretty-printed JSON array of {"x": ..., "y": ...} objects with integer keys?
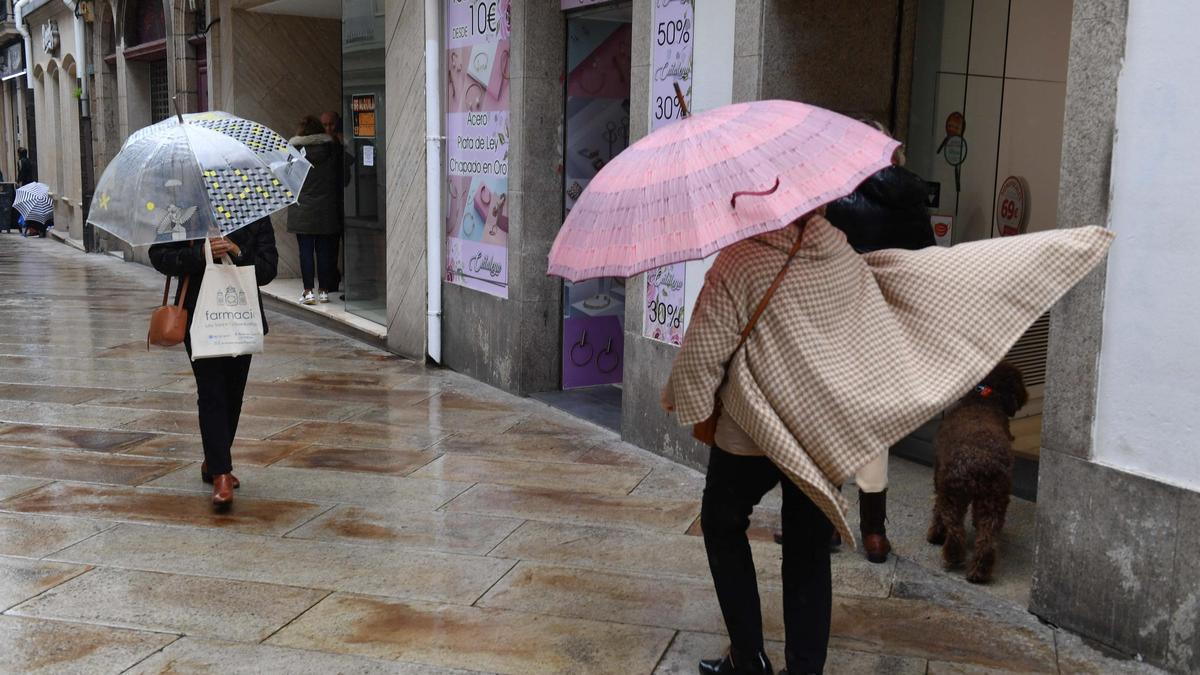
[{"x": 872, "y": 511}]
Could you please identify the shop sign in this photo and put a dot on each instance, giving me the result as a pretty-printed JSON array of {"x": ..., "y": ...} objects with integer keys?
[
  {"x": 477, "y": 138},
  {"x": 50, "y": 36},
  {"x": 671, "y": 64},
  {"x": 362, "y": 107},
  {"x": 1012, "y": 206},
  {"x": 943, "y": 228}
]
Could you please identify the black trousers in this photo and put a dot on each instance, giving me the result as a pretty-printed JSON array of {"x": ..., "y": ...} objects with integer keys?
[
  {"x": 220, "y": 386},
  {"x": 734, "y": 485},
  {"x": 324, "y": 247}
]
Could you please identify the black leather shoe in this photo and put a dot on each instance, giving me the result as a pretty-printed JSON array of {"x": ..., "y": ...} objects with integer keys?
[{"x": 759, "y": 665}]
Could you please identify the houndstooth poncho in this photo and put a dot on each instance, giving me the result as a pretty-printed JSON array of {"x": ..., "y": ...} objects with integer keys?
[{"x": 856, "y": 351}]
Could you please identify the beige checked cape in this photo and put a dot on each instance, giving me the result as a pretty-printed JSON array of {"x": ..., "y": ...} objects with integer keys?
[{"x": 855, "y": 351}]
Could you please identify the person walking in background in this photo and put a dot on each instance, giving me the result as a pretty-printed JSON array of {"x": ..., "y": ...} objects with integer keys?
[
  {"x": 315, "y": 218},
  {"x": 886, "y": 211},
  {"x": 24, "y": 167},
  {"x": 221, "y": 381}
]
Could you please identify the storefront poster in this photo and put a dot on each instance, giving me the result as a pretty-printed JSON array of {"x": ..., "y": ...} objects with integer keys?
[
  {"x": 363, "y": 108},
  {"x": 671, "y": 64},
  {"x": 477, "y": 107}
]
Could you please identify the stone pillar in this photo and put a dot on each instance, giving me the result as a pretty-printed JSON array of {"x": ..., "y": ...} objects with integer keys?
[{"x": 406, "y": 198}]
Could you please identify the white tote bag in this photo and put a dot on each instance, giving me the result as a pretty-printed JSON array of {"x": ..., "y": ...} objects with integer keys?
[{"x": 227, "y": 319}]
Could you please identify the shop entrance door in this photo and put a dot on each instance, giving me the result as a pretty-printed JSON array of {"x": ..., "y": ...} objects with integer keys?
[
  {"x": 599, "y": 44},
  {"x": 365, "y": 199}
]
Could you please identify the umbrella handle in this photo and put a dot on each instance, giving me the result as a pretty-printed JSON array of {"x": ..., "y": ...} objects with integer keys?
[
  {"x": 683, "y": 108},
  {"x": 752, "y": 193}
]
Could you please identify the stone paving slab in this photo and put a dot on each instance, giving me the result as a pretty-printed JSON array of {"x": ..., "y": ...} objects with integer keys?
[
  {"x": 437, "y": 531},
  {"x": 472, "y": 638},
  {"x": 22, "y": 579},
  {"x": 389, "y": 571},
  {"x": 213, "y": 657},
  {"x": 31, "y": 536},
  {"x": 83, "y": 466},
  {"x": 171, "y": 603},
  {"x": 39, "y": 646},
  {"x": 614, "y": 480},
  {"x": 591, "y": 509}
]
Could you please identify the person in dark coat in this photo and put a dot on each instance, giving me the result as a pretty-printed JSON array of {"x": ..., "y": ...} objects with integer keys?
[
  {"x": 886, "y": 211},
  {"x": 316, "y": 218},
  {"x": 220, "y": 381},
  {"x": 24, "y": 167}
]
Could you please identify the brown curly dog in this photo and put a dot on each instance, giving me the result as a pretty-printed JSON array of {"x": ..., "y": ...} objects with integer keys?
[{"x": 973, "y": 469}]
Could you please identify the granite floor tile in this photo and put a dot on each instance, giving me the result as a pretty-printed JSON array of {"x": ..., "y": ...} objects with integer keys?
[
  {"x": 22, "y": 579},
  {"x": 676, "y": 603},
  {"x": 438, "y": 417},
  {"x": 15, "y": 485},
  {"x": 926, "y": 630},
  {"x": 166, "y": 507},
  {"x": 638, "y": 552},
  {"x": 451, "y": 532},
  {"x": 1075, "y": 655},
  {"x": 621, "y": 454},
  {"x": 150, "y": 400},
  {"x": 688, "y": 648},
  {"x": 473, "y": 638},
  {"x": 671, "y": 481},
  {"x": 32, "y": 436},
  {"x": 615, "y": 480},
  {"x": 327, "y": 411},
  {"x": 212, "y": 657},
  {"x": 277, "y": 482},
  {"x": 362, "y": 435},
  {"x": 45, "y": 647},
  {"x": 365, "y": 460},
  {"x": 50, "y": 394},
  {"x": 318, "y": 392},
  {"x": 249, "y": 426},
  {"x": 77, "y": 378},
  {"x": 535, "y": 448},
  {"x": 617, "y": 511},
  {"x": 383, "y": 571},
  {"x": 191, "y": 448},
  {"x": 38, "y": 536},
  {"x": 87, "y": 467},
  {"x": 172, "y": 603},
  {"x": 361, "y": 378}
]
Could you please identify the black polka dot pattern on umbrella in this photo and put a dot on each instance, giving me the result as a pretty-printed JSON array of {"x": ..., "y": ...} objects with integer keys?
[
  {"x": 241, "y": 196},
  {"x": 251, "y": 134}
]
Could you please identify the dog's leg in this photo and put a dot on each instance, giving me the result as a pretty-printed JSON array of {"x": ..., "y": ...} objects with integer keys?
[
  {"x": 937, "y": 527},
  {"x": 954, "y": 549},
  {"x": 988, "y": 515}
]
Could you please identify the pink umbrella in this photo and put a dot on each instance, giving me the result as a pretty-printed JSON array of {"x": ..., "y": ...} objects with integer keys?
[{"x": 712, "y": 179}]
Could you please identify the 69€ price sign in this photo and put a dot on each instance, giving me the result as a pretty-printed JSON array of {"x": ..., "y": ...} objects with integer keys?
[{"x": 671, "y": 49}]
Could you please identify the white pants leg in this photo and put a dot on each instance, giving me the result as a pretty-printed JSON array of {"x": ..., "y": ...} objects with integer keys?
[{"x": 873, "y": 476}]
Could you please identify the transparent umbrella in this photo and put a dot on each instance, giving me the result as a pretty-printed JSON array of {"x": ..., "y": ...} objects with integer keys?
[{"x": 195, "y": 175}]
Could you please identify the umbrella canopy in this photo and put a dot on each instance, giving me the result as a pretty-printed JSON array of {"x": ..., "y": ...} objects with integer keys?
[
  {"x": 711, "y": 179},
  {"x": 187, "y": 178},
  {"x": 33, "y": 202}
]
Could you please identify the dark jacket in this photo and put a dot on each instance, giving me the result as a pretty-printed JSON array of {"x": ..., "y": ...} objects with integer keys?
[
  {"x": 185, "y": 258},
  {"x": 886, "y": 211},
  {"x": 318, "y": 208},
  {"x": 24, "y": 171}
]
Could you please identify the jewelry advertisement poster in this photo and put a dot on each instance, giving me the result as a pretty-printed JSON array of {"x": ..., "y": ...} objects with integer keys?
[
  {"x": 671, "y": 63},
  {"x": 597, "y": 130},
  {"x": 477, "y": 107}
]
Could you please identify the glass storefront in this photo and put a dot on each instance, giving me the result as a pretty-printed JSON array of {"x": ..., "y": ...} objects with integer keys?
[{"x": 365, "y": 203}]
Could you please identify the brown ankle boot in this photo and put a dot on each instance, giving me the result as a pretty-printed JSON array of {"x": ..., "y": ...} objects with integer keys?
[
  {"x": 208, "y": 478},
  {"x": 222, "y": 492},
  {"x": 872, "y": 510}
]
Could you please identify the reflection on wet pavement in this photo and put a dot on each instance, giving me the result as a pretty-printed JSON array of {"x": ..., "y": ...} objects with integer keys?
[{"x": 393, "y": 519}]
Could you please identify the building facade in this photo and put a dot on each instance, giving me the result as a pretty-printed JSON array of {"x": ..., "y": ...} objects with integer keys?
[{"x": 474, "y": 124}]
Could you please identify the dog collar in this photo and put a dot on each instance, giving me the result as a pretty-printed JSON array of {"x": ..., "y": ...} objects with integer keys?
[{"x": 983, "y": 390}]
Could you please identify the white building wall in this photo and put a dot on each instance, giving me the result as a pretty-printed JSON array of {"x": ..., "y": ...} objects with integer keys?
[{"x": 1149, "y": 391}]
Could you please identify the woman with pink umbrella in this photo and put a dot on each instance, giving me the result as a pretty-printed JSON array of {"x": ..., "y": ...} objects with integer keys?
[{"x": 803, "y": 360}]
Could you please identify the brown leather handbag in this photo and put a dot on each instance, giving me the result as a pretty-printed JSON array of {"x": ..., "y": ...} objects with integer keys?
[
  {"x": 706, "y": 431},
  {"x": 168, "y": 323}
]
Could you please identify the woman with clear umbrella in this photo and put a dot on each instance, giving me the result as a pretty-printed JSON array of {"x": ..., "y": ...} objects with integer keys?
[
  {"x": 191, "y": 183},
  {"x": 803, "y": 361},
  {"x": 221, "y": 381}
]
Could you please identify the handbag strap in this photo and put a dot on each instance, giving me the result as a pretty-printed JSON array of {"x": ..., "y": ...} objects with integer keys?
[
  {"x": 762, "y": 304},
  {"x": 182, "y": 291}
]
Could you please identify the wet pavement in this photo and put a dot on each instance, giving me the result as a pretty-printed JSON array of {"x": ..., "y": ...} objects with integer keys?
[{"x": 395, "y": 519}]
